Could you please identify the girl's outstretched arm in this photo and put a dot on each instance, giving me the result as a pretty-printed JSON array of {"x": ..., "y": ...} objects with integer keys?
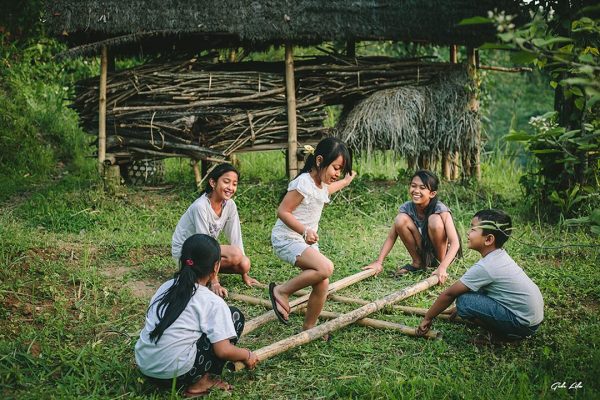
[
  {"x": 226, "y": 350},
  {"x": 290, "y": 202},
  {"x": 385, "y": 250},
  {"x": 453, "y": 247},
  {"x": 342, "y": 183}
]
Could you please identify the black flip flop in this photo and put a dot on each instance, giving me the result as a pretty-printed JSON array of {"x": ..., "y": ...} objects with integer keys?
[
  {"x": 407, "y": 267},
  {"x": 274, "y": 304}
]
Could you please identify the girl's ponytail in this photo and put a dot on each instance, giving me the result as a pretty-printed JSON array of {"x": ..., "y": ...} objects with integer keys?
[{"x": 199, "y": 255}]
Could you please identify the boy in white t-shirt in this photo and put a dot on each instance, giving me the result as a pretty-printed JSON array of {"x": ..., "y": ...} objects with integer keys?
[{"x": 495, "y": 292}]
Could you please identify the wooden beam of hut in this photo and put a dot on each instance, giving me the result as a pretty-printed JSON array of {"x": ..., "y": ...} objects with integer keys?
[
  {"x": 340, "y": 322},
  {"x": 259, "y": 321},
  {"x": 290, "y": 95},
  {"x": 369, "y": 322},
  {"x": 102, "y": 110}
]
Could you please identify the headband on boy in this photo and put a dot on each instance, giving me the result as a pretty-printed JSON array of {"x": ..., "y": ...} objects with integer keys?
[{"x": 495, "y": 226}]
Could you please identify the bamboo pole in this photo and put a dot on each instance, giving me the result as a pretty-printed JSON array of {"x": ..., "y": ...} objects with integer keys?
[
  {"x": 474, "y": 105},
  {"x": 290, "y": 95},
  {"x": 368, "y": 322},
  {"x": 454, "y": 164},
  {"x": 445, "y": 315},
  {"x": 102, "y": 110},
  {"x": 259, "y": 321},
  {"x": 340, "y": 322}
]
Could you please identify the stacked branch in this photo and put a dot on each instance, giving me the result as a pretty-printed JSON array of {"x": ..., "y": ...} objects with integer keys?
[{"x": 209, "y": 110}]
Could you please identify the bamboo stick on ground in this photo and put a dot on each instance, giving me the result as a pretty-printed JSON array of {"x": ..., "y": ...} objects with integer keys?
[
  {"x": 259, "y": 321},
  {"x": 340, "y": 322},
  {"x": 445, "y": 315},
  {"x": 369, "y": 322}
]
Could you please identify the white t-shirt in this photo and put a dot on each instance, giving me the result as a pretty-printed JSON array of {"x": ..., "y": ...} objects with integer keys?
[
  {"x": 175, "y": 352},
  {"x": 308, "y": 211},
  {"x": 201, "y": 218},
  {"x": 500, "y": 278}
]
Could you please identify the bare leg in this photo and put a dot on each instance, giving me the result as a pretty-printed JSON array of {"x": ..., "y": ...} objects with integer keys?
[
  {"x": 316, "y": 270},
  {"x": 437, "y": 235},
  {"x": 408, "y": 232},
  {"x": 233, "y": 261}
]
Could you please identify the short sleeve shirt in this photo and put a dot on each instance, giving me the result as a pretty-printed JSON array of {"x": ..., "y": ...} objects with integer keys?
[
  {"x": 175, "y": 352},
  {"x": 410, "y": 209},
  {"x": 498, "y": 276}
]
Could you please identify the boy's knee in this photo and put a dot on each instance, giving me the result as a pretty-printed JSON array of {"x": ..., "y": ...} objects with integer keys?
[{"x": 245, "y": 264}]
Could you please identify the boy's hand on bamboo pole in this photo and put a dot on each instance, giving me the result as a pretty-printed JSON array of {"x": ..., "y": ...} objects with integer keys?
[
  {"x": 424, "y": 326},
  {"x": 442, "y": 274}
]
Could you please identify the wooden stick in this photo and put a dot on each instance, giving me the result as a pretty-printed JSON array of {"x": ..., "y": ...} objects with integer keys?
[
  {"x": 340, "y": 322},
  {"x": 290, "y": 95},
  {"x": 505, "y": 69},
  {"x": 102, "y": 110},
  {"x": 369, "y": 322},
  {"x": 259, "y": 321},
  {"x": 445, "y": 315}
]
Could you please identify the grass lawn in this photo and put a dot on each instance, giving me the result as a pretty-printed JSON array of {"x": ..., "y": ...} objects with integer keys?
[{"x": 77, "y": 269}]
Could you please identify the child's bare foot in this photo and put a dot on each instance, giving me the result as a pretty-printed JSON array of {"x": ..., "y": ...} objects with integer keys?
[{"x": 203, "y": 386}]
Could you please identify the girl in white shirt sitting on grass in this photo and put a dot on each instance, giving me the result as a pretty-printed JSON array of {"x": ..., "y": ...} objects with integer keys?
[
  {"x": 190, "y": 332},
  {"x": 215, "y": 211}
]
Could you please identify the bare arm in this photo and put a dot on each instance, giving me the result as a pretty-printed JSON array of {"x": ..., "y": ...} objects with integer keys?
[
  {"x": 443, "y": 301},
  {"x": 342, "y": 183},
  {"x": 290, "y": 202},
  {"x": 385, "y": 250},
  {"x": 226, "y": 350},
  {"x": 454, "y": 246}
]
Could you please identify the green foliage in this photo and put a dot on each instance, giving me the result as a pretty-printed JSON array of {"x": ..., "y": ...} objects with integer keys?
[
  {"x": 565, "y": 144},
  {"x": 79, "y": 269},
  {"x": 37, "y": 130}
]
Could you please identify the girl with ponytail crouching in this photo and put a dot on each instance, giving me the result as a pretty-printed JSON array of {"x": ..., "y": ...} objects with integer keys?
[{"x": 190, "y": 332}]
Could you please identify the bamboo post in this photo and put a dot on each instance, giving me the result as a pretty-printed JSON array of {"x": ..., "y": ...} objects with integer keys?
[
  {"x": 290, "y": 95},
  {"x": 340, "y": 322},
  {"x": 368, "y": 322},
  {"x": 102, "y": 110},
  {"x": 454, "y": 158},
  {"x": 259, "y": 321},
  {"x": 475, "y": 157},
  {"x": 197, "y": 176}
]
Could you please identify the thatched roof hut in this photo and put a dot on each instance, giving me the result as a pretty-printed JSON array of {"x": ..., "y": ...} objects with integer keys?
[{"x": 162, "y": 24}]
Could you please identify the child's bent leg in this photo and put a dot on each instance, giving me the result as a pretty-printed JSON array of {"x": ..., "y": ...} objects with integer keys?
[
  {"x": 490, "y": 314},
  {"x": 207, "y": 362},
  {"x": 233, "y": 261},
  {"x": 410, "y": 236},
  {"x": 437, "y": 234},
  {"x": 316, "y": 269}
]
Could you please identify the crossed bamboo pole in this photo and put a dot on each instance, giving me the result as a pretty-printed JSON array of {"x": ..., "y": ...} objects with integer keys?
[
  {"x": 340, "y": 322},
  {"x": 369, "y": 322},
  {"x": 300, "y": 302}
]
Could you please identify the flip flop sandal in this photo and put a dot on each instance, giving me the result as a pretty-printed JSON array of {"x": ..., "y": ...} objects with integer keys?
[
  {"x": 274, "y": 302},
  {"x": 409, "y": 268}
]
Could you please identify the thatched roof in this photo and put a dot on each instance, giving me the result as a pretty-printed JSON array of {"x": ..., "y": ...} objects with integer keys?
[{"x": 228, "y": 23}]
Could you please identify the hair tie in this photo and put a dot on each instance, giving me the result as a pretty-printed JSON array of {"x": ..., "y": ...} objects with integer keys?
[
  {"x": 189, "y": 262},
  {"x": 308, "y": 149}
]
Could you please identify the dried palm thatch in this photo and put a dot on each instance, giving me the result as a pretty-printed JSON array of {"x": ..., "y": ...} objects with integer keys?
[{"x": 415, "y": 121}]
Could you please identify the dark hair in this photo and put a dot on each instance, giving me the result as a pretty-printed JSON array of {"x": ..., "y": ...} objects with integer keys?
[
  {"x": 199, "y": 254},
  {"x": 427, "y": 252},
  {"x": 496, "y": 223},
  {"x": 216, "y": 173},
  {"x": 330, "y": 149}
]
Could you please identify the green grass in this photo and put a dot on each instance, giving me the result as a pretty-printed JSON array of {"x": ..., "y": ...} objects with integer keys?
[{"x": 73, "y": 261}]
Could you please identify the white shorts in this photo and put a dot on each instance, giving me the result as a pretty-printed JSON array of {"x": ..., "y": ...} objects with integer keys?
[{"x": 290, "y": 250}]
